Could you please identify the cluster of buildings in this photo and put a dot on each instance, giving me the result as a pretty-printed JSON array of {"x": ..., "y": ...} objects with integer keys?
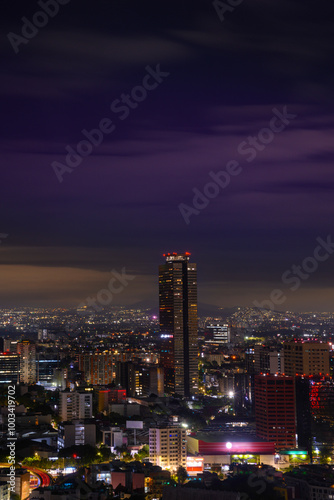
[{"x": 206, "y": 397}]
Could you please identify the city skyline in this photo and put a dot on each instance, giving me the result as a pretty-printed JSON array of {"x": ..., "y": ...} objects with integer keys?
[{"x": 167, "y": 250}]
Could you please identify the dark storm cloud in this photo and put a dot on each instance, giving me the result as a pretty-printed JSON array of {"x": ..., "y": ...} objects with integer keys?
[{"x": 119, "y": 208}]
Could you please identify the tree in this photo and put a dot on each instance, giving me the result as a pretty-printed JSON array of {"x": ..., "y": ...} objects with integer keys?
[
  {"x": 104, "y": 454},
  {"x": 182, "y": 475},
  {"x": 143, "y": 453},
  {"x": 82, "y": 454},
  {"x": 116, "y": 419},
  {"x": 325, "y": 454}
]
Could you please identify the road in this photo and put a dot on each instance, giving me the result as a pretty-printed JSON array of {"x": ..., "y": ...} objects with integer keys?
[{"x": 43, "y": 479}]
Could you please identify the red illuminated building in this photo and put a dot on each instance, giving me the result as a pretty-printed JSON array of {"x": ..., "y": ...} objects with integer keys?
[
  {"x": 111, "y": 396},
  {"x": 275, "y": 409}
]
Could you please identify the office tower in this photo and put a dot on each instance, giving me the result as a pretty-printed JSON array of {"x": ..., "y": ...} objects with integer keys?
[
  {"x": 268, "y": 360},
  {"x": 156, "y": 381},
  {"x": 148, "y": 380},
  {"x": 126, "y": 377},
  {"x": 322, "y": 399},
  {"x": 306, "y": 358},
  {"x": 275, "y": 409},
  {"x": 178, "y": 323},
  {"x": 221, "y": 333},
  {"x": 46, "y": 366},
  {"x": 250, "y": 360},
  {"x": 59, "y": 378},
  {"x": 304, "y": 415},
  {"x": 27, "y": 354},
  {"x": 98, "y": 368},
  {"x": 9, "y": 368},
  {"x": 242, "y": 393},
  {"x": 168, "y": 447},
  {"x": 75, "y": 405}
]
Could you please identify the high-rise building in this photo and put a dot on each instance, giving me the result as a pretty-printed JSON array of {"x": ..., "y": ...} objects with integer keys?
[
  {"x": 75, "y": 405},
  {"x": 322, "y": 398},
  {"x": 304, "y": 415},
  {"x": 268, "y": 360},
  {"x": 98, "y": 368},
  {"x": 9, "y": 368},
  {"x": 27, "y": 353},
  {"x": 306, "y": 358},
  {"x": 149, "y": 380},
  {"x": 168, "y": 447},
  {"x": 178, "y": 323},
  {"x": 275, "y": 409},
  {"x": 46, "y": 363},
  {"x": 126, "y": 377}
]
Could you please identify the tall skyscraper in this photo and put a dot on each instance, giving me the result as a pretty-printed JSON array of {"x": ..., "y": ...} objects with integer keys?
[
  {"x": 275, "y": 409},
  {"x": 178, "y": 323}
]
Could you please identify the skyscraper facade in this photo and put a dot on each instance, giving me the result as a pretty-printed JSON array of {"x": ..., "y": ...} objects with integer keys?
[
  {"x": 98, "y": 368},
  {"x": 275, "y": 409},
  {"x": 306, "y": 358},
  {"x": 9, "y": 368},
  {"x": 75, "y": 405},
  {"x": 178, "y": 323}
]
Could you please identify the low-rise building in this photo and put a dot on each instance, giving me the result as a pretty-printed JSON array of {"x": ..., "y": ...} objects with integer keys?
[
  {"x": 22, "y": 481},
  {"x": 220, "y": 449}
]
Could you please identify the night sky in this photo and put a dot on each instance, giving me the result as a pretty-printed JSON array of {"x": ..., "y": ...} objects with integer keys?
[{"x": 120, "y": 207}]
